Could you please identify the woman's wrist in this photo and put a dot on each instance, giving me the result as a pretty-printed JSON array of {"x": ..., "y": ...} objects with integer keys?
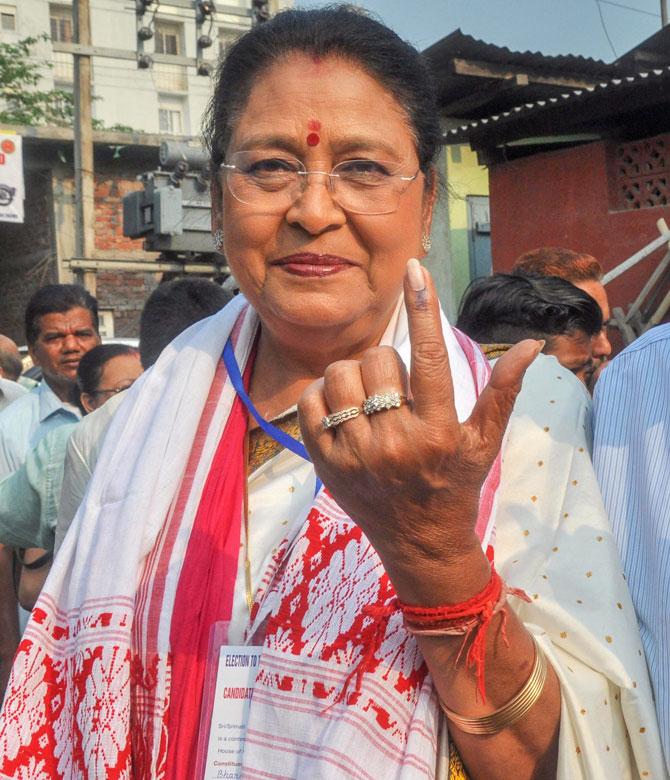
[{"x": 437, "y": 579}]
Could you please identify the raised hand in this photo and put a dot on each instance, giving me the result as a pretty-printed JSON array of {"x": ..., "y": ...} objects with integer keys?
[{"x": 411, "y": 476}]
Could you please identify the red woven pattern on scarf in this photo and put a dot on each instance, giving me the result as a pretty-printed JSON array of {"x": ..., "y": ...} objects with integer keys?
[
  {"x": 326, "y": 610},
  {"x": 82, "y": 700}
]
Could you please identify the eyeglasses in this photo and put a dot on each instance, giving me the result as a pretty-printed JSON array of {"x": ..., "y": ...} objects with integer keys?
[
  {"x": 111, "y": 390},
  {"x": 274, "y": 182}
]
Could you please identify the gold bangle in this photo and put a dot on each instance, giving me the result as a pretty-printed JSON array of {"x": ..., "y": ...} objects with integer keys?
[{"x": 509, "y": 713}]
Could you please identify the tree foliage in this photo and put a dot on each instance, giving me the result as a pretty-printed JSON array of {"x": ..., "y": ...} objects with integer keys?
[{"x": 21, "y": 100}]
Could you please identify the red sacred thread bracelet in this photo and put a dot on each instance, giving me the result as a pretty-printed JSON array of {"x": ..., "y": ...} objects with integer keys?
[{"x": 475, "y": 614}]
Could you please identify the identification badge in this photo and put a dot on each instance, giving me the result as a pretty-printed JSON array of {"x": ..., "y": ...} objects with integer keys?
[{"x": 222, "y": 735}]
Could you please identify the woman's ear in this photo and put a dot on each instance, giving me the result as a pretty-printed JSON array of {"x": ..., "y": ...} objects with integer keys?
[{"x": 87, "y": 402}]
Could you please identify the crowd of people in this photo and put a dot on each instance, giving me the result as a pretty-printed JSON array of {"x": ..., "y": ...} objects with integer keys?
[{"x": 403, "y": 517}]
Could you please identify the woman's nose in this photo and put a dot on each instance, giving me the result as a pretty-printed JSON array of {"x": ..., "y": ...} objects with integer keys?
[{"x": 315, "y": 209}]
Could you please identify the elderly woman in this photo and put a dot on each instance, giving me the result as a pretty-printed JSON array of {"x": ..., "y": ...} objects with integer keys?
[{"x": 385, "y": 629}]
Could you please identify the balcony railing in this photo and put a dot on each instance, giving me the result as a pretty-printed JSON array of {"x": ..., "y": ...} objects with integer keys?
[
  {"x": 63, "y": 68},
  {"x": 169, "y": 78}
]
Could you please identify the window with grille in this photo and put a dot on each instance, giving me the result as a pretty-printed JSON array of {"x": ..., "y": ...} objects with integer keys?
[
  {"x": 60, "y": 17},
  {"x": 227, "y": 37},
  {"x": 7, "y": 18},
  {"x": 171, "y": 119},
  {"x": 168, "y": 38},
  {"x": 640, "y": 173}
]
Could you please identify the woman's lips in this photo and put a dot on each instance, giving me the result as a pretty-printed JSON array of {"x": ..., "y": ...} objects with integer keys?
[{"x": 307, "y": 264}]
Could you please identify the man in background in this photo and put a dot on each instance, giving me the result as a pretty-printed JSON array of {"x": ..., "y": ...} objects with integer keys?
[
  {"x": 170, "y": 309},
  {"x": 500, "y": 310},
  {"x": 580, "y": 269},
  {"x": 10, "y": 371},
  {"x": 61, "y": 327},
  {"x": 61, "y": 324},
  {"x": 632, "y": 459}
]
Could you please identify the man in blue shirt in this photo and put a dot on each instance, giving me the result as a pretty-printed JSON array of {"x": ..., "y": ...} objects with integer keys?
[
  {"x": 61, "y": 327},
  {"x": 10, "y": 371},
  {"x": 632, "y": 460}
]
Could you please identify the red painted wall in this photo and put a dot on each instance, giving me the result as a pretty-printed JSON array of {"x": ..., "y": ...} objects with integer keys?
[{"x": 561, "y": 199}]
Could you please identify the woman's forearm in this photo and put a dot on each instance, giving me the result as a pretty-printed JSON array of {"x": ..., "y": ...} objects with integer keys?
[{"x": 530, "y": 744}]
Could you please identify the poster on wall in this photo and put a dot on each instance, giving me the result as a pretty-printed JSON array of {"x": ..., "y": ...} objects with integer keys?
[{"x": 12, "y": 190}]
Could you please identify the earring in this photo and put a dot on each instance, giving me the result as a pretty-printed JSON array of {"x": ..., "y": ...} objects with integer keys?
[
  {"x": 426, "y": 243},
  {"x": 217, "y": 237}
]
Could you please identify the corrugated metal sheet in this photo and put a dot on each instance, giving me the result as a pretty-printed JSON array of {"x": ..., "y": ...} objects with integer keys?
[
  {"x": 469, "y": 92},
  {"x": 608, "y": 93},
  {"x": 460, "y": 44}
]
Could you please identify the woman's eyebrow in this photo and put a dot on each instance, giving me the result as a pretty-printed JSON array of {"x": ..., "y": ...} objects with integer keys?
[
  {"x": 271, "y": 141},
  {"x": 359, "y": 144},
  {"x": 375, "y": 146}
]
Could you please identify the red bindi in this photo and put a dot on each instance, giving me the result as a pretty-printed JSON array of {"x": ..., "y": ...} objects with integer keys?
[{"x": 313, "y": 139}]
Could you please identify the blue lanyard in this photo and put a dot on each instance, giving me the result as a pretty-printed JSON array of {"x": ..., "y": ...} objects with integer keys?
[{"x": 283, "y": 438}]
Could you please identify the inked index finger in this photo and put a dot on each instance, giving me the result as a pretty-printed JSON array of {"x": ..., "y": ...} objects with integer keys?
[{"x": 430, "y": 373}]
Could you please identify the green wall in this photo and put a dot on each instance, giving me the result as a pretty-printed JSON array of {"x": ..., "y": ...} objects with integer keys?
[{"x": 465, "y": 176}]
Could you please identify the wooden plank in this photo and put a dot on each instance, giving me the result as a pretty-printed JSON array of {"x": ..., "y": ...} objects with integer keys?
[
  {"x": 120, "y": 54},
  {"x": 636, "y": 258},
  {"x": 139, "y": 266},
  {"x": 481, "y": 97},
  {"x": 490, "y": 70}
]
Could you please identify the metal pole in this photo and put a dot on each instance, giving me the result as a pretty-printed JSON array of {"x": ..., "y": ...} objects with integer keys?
[
  {"x": 664, "y": 12},
  {"x": 83, "y": 143}
]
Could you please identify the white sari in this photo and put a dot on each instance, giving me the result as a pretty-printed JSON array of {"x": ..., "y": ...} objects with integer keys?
[{"x": 90, "y": 689}]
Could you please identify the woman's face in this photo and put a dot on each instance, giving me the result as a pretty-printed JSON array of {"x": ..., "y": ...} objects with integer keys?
[
  {"x": 315, "y": 265},
  {"x": 118, "y": 374}
]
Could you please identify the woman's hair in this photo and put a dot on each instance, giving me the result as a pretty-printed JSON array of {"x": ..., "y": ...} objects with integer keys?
[
  {"x": 90, "y": 368},
  {"x": 504, "y": 309},
  {"x": 338, "y": 31}
]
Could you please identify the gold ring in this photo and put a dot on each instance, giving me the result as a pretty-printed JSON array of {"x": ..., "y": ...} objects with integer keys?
[{"x": 337, "y": 418}]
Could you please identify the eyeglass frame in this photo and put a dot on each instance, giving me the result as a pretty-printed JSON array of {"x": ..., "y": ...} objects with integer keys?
[
  {"x": 111, "y": 391},
  {"x": 225, "y": 167}
]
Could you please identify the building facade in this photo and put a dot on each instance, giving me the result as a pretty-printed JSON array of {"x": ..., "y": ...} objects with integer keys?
[
  {"x": 165, "y": 98},
  {"x": 476, "y": 80},
  {"x": 135, "y": 110}
]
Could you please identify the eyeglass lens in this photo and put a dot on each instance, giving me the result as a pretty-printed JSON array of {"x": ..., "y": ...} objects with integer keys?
[{"x": 273, "y": 183}]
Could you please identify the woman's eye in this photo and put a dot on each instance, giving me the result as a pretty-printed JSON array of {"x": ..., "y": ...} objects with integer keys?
[
  {"x": 271, "y": 165},
  {"x": 363, "y": 170}
]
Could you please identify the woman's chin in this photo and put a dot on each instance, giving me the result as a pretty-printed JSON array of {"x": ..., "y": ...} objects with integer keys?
[{"x": 314, "y": 312}]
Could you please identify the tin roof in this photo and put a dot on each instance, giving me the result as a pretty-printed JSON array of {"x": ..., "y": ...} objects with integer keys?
[
  {"x": 618, "y": 103},
  {"x": 476, "y": 78},
  {"x": 460, "y": 44}
]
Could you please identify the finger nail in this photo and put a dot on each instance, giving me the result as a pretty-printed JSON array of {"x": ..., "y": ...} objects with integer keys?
[
  {"x": 417, "y": 280},
  {"x": 540, "y": 345}
]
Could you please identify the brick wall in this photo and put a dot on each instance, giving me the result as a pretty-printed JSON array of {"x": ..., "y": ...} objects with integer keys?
[
  {"x": 124, "y": 293},
  {"x": 28, "y": 252},
  {"x": 27, "y": 257},
  {"x": 109, "y": 192}
]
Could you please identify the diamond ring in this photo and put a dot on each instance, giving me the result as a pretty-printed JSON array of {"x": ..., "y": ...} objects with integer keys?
[
  {"x": 381, "y": 402},
  {"x": 337, "y": 418}
]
